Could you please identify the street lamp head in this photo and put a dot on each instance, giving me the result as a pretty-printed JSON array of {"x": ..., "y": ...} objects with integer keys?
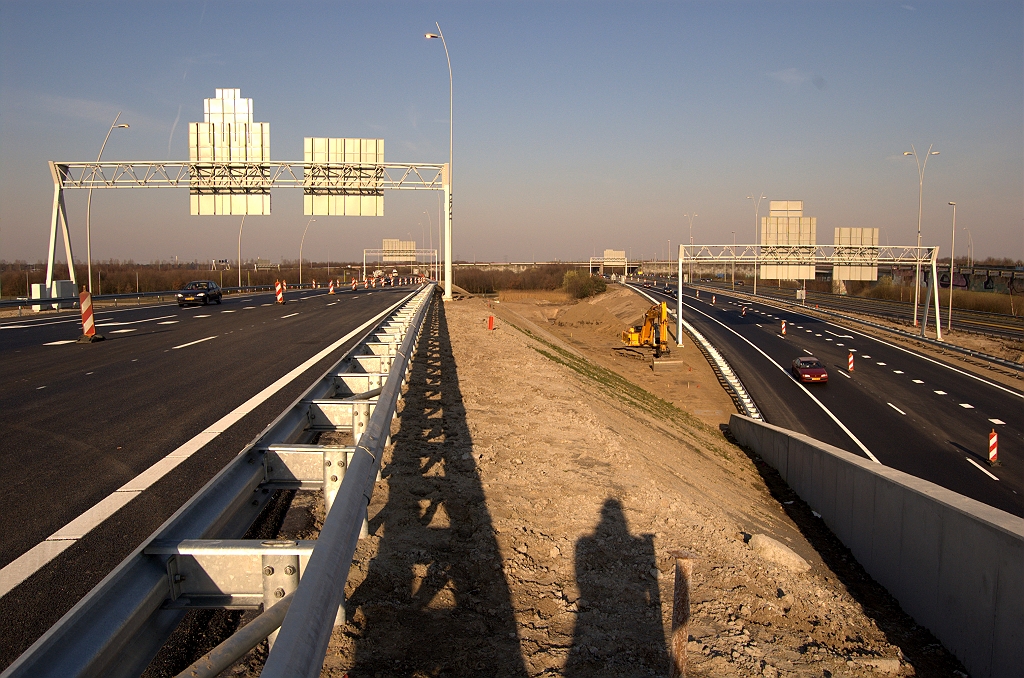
[
  {"x": 431, "y": 35},
  {"x": 908, "y": 153},
  {"x": 952, "y": 203},
  {"x": 123, "y": 125},
  {"x": 934, "y": 153}
]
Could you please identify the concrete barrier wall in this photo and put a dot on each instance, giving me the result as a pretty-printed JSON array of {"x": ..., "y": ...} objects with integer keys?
[{"x": 954, "y": 564}]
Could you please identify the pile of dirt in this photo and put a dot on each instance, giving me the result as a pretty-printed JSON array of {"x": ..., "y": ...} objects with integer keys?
[{"x": 536, "y": 485}]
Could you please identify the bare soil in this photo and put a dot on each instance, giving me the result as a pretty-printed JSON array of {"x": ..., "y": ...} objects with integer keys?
[{"x": 534, "y": 490}]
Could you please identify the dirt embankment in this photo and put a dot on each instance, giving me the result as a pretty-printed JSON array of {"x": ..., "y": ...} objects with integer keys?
[{"x": 536, "y": 485}]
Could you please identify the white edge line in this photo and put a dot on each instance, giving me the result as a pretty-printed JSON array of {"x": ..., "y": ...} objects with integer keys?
[
  {"x": 981, "y": 468},
  {"x": 897, "y": 409},
  {"x": 802, "y": 387},
  {"x": 30, "y": 562}
]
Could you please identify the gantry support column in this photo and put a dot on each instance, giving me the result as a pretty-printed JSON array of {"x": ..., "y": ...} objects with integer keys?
[{"x": 59, "y": 219}]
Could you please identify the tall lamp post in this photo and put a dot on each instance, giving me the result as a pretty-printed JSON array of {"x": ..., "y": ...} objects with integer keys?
[
  {"x": 920, "y": 204},
  {"x": 88, "y": 203},
  {"x": 691, "y": 218},
  {"x": 757, "y": 207},
  {"x": 301, "y": 243},
  {"x": 240, "y": 250},
  {"x": 970, "y": 247},
  {"x": 448, "y": 214},
  {"x": 734, "y": 261},
  {"x": 952, "y": 266}
]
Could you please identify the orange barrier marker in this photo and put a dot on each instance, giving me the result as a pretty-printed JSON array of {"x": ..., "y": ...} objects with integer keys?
[
  {"x": 849, "y": 362},
  {"x": 490, "y": 322},
  {"x": 993, "y": 448},
  {"x": 783, "y": 328},
  {"x": 88, "y": 324},
  {"x": 279, "y": 289},
  {"x": 332, "y": 288},
  {"x": 354, "y": 285},
  {"x": 714, "y": 298},
  {"x": 744, "y": 310}
]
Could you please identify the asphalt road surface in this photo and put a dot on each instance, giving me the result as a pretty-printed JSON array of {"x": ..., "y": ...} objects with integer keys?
[
  {"x": 908, "y": 411},
  {"x": 82, "y": 420}
]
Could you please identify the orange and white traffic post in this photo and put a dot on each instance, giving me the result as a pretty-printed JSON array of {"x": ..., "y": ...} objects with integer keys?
[
  {"x": 88, "y": 324},
  {"x": 279, "y": 290},
  {"x": 993, "y": 448},
  {"x": 332, "y": 288},
  {"x": 744, "y": 310},
  {"x": 783, "y": 328},
  {"x": 714, "y": 298},
  {"x": 355, "y": 283},
  {"x": 849, "y": 362}
]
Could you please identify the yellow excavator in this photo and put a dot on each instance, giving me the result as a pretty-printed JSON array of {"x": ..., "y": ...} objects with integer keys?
[{"x": 652, "y": 333}]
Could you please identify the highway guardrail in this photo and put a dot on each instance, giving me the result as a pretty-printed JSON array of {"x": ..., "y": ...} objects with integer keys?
[{"x": 197, "y": 558}]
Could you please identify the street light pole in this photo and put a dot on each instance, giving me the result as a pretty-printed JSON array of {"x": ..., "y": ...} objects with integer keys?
[
  {"x": 757, "y": 207},
  {"x": 448, "y": 214},
  {"x": 303, "y": 242},
  {"x": 691, "y": 218},
  {"x": 920, "y": 205},
  {"x": 952, "y": 265},
  {"x": 88, "y": 205},
  {"x": 734, "y": 261},
  {"x": 240, "y": 250}
]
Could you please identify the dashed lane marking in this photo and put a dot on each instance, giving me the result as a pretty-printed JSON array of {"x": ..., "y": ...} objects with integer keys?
[
  {"x": 125, "y": 331},
  {"x": 59, "y": 343},
  {"x": 967, "y": 406},
  {"x": 897, "y": 371},
  {"x": 246, "y": 308},
  {"x": 917, "y": 381},
  {"x": 998, "y": 422},
  {"x": 897, "y": 409},
  {"x": 817, "y": 335},
  {"x": 866, "y": 356},
  {"x": 981, "y": 468},
  {"x": 808, "y": 352},
  {"x": 230, "y": 310},
  {"x": 200, "y": 316},
  {"x": 266, "y": 304},
  {"x": 192, "y": 343},
  {"x": 939, "y": 392},
  {"x": 168, "y": 322},
  {"x": 881, "y": 364},
  {"x": 289, "y": 315}
]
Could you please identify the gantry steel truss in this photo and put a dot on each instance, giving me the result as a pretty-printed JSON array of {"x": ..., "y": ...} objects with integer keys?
[
  {"x": 241, "y": 177},
  {"x": 825, "y": 255}
]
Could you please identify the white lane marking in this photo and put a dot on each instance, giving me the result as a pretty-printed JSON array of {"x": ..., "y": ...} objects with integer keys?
[
  {"x": 132, "y": 322},
  {"x": 866, "y": 356},
  {"x": 808, "y": 352},
  {"x": 852, "y": 350},
  {"x": 40, "y": 388},
  {"x": 200, "y": 316},
  {"x": 28, "y": 563},
  {"x": 803, "y": 388},
  {"x": 88, "y": 373},
  {"x": 967, "y": 406},
  {"x": 130, "y": 329},
  {"x": 917, "y": 381},
  {"x": 838, "y": 344},
  {"x": 230, "y": 311},
  {"x": 881, "y": 364},
  {"x": 288, "y": 316},
  {"x": 332, "y": 303},
  {"x": 981, "y": 468},
  {"x": 758, "y": 324},
  {"x": 998, "y": 422},
  {"x": 818, "y": 335},
  {"x": 940, "y": 392},
  {"x": 844, "y": 374},
  {"x": 827, "y": 339},
  {"x": 808, "y": 331},
  {"x": 16, "y": 327},
  {"x": 779, "y": 335},
  {"x": 192, "y": 343},
  {"x": 897, "y": 371},
  {"x": 840, "y": 336},
  {"x": 246, "y": 308},
  {"x": 266, "y": 304},
  {"x": 168, "y": 322},
  {"x": 61, "y": 342},
  {"x": 897, "y": 409},
  {"x": 799, "y": 327}
]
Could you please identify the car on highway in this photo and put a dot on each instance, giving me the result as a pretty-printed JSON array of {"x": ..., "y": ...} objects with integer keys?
[
  {"x": 809, "y": 370},
  {"x": 199, "y": 292}
]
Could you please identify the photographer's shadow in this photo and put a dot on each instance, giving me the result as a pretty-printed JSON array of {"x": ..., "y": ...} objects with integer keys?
[{"x": 619, "y": 627}]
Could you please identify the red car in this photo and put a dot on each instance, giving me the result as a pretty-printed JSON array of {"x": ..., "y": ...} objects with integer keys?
[{"x": 809, "y": 370}]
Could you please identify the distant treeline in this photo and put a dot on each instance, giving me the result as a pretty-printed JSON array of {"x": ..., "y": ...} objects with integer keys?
[{"x": 117, "y": 277}]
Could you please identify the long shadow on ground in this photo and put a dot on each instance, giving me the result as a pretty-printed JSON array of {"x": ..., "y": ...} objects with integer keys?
[{"x": 435, "y": 600}]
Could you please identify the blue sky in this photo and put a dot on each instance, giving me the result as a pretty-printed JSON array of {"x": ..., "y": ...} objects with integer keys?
[{"x": 578, "y": 125}]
